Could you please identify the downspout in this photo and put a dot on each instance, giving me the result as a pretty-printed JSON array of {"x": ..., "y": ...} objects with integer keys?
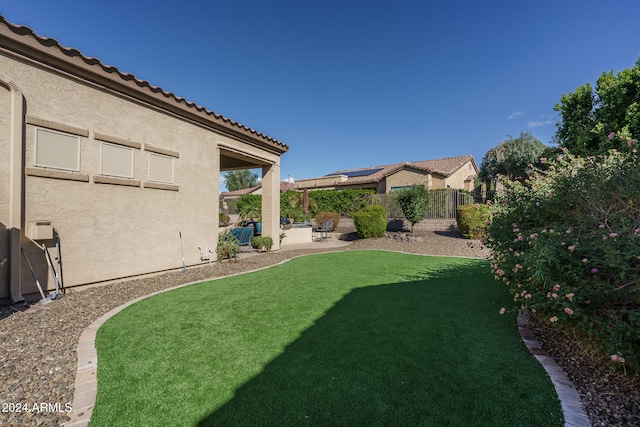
[{"x": 16, "y": 187}]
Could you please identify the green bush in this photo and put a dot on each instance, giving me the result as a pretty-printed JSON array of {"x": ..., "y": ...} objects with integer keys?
[
  {"x": 291, "y": 205},
  {"x": 472, "y": 220},
  {"x": 262, "y": 242},
  {"x": 250, "y": 206},
  {"x": 223, "y": 218},
  {"x": 322, "y": 217},
  {"x": 414, "y": 202},
  {"x": 344, "y": 202},
  {"x": 228, "y": 246},
  {"x": 567, "y": 242},
  {"x": 371, "y": 221}
]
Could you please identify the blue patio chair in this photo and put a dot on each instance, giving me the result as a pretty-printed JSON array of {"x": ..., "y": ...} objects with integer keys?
[{"x": 246, "y": 235}]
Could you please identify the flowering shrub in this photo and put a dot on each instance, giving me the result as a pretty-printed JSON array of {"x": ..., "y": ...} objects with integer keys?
[{"x": 567, "y": 244}]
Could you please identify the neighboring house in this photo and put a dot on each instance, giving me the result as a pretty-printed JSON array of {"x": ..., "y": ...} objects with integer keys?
[
  {"x": 452, "y": 172},
  {"x": 116, "y": 168}
]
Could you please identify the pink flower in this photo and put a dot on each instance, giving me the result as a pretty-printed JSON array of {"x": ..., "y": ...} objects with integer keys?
[
  {"x": 612, "y": 135},
  {"x": 617, "y": 358},
  {"x": 568, "y": 231},
  {"x": 613, "y": 235},
  {"x": 568, "y": 311},
  {"x": 528, "y": 296},
  {"x": 556, "y": 288},
  {"x": 584, "y": 260},
  {"x": 502, "y": 310},
  {"x": 594, "y": 270}
]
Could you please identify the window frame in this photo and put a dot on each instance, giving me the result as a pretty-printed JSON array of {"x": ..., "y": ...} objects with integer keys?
[
  {"x": 173, "y": 172},
  {"x": 36, "y": 160},
  {"x": 120, "y": 146}
]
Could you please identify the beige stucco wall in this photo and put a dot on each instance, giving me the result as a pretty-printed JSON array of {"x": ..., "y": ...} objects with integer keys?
[
  {"x": 297, "y": 235},
  {"x": 456, "y": 180},
  {"x": 438, "y": 181},
  {"x": 110, "y": 231},
  {"x": 324, "y": 182},
  {"x": 405, "y": 177}
]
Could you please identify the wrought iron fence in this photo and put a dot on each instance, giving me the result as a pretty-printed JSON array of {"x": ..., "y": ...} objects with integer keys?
[{"x": 442, "y": 203}]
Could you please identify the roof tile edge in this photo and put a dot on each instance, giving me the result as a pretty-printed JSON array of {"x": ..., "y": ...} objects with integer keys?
[{"x": 109, "y": 70}]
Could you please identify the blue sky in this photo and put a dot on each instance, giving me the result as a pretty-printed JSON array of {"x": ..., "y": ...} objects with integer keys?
[{"x": 350, "y": 84}]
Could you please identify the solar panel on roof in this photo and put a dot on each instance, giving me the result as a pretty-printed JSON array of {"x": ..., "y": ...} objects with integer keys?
[{"x": 363, "y": 172}]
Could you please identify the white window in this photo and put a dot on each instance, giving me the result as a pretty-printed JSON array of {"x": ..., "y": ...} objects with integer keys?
[
  {"x": 117, "y": 160},
  {"x": 57, "y": 150},
  {"x": 160, "y": 168}
]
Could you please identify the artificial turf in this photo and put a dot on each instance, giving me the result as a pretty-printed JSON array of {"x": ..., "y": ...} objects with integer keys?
[{"x": 356, "y": 338}]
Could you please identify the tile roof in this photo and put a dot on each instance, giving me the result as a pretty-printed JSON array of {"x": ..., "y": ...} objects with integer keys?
[
  {"x": 241, "y": 192},
  {"x": 284, "y": 186},
  {"x": 24, "y": 41},
  {"x": 445, "y": 167}
]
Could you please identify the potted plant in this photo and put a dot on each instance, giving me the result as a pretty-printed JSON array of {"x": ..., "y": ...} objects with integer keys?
[
  {"x": 250, "y": 210},
  {"x": 228, "y": 246},
  {"x": 262, "y": 243}
]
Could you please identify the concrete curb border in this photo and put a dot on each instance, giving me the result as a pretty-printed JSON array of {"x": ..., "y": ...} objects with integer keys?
[
  {"x": 570, "y": 401},
  {"x": 86, "y": 384}
]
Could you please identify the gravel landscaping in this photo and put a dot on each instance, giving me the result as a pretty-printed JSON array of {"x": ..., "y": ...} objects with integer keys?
[{"x": 38, "y": 351}]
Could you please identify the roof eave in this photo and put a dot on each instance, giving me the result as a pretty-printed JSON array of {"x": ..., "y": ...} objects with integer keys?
[{"x": 23, "y": 42}]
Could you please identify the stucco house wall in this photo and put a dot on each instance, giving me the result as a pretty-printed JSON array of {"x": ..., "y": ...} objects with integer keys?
[
  {"x": 438, "y": 181},
  {"x": 112, "y": 227},
  {"x": 459, "y": 180},
  {"x": 404, "y": 178}
]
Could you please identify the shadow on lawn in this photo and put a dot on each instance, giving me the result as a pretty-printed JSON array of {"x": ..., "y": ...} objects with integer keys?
[{"x": 369, "y": 361}]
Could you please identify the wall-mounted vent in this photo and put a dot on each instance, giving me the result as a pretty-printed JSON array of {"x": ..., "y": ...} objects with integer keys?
[{"x": 40, "y": 230}]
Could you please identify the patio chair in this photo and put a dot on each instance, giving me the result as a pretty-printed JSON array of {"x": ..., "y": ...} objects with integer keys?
[
  {"x": 245, "y": 237},
  {"x": 324, "y": 230},
  {"x": 236, "y": 232}
]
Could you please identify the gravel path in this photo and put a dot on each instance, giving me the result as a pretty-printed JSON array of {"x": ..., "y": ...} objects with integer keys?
[{"x": 38, "y": 351}]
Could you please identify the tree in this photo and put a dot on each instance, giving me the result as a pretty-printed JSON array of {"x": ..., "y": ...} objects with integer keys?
[
  {"x": 239, "y": 179},
  {"x": 511, "y": 158},
  {"x": 250, "y": 206},
  {"x": 414, "y": 202},
  {"x": 591, "y": 118}
]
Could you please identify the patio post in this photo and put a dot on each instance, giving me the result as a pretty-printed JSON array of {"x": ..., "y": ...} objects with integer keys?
[{"x": 271, "y": 203}]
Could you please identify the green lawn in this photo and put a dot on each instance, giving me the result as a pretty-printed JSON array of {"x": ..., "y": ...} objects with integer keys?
[{"x": 355, "y": 338}]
